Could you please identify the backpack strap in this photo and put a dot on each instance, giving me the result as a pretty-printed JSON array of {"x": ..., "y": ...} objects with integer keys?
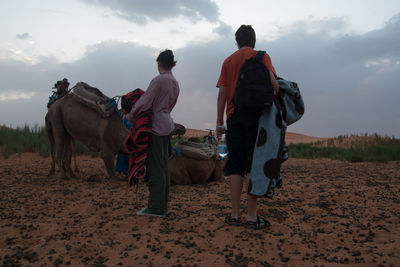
[{"x": 259, "y": 56}]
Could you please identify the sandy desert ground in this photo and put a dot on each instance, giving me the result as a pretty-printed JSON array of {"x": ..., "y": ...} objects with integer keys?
[{"x": 327, "y": 213}]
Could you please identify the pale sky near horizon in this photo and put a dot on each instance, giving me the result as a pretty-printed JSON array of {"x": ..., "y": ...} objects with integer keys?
[{"x": 344, "y": 54}]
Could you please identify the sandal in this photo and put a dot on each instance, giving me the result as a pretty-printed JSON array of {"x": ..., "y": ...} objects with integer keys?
[
  {"x": 146, "y": 212},
  {"x": 233, "y": 221},
  {"x": 259, "y": 224}
]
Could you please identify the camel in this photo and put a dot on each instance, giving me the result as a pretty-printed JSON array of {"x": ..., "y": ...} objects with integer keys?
[
  {"x": 197, "y": 164},
  {"x": 184, "y": 170},
  {"x": 70, "y": 118},
  {"x": 62, "y": 89}
]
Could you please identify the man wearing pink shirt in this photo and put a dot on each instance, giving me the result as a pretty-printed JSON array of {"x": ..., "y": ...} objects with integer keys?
[{"x": 161, "y": 96}]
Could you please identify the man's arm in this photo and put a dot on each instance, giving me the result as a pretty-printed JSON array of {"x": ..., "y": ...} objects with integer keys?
[
  {"x": 274, "y": 82},
  {"x": 221, "y": 102},
  {"x": 145, "y": 102},
  {"x": 267, "y": 62}
]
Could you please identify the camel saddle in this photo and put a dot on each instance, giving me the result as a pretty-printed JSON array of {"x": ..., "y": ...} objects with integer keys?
[
  {"x": 195, "y": 149},
  {"x": 95, "y": 99}
]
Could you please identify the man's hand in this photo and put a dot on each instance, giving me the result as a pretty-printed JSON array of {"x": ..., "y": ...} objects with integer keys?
[
  {"x": 220, "y": 111},
  {"x": 219, "y": 130}
]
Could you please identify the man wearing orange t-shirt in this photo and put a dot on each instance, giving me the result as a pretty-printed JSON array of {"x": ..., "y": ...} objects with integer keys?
[{"x": 242, "y": 126}]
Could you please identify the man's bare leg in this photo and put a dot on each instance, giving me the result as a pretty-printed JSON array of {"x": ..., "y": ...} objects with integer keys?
[
  {"x": 236, "y": 191},
  {"x": 251, "y": 204},
  {"x": 251, "y": 208}
]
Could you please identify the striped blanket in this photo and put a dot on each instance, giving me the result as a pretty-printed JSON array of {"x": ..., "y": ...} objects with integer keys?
[{"x": 137, "y": 140}]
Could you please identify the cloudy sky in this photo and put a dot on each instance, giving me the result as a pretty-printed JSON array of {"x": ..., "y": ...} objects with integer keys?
[{"x": 344, "y": 54}]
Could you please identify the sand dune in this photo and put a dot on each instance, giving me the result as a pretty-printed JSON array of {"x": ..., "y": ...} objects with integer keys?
[
  {"x": 291, "y": 138},
  {"x": 296, "y": 138}
]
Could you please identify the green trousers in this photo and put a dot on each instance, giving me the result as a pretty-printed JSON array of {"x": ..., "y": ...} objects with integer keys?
[{"x": 158, "y": 174}]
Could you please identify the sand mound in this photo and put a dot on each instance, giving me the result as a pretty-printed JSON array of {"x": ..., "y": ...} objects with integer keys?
[
  {"x": 296, "y": 138},
  {"x": 291, "y": 138}
]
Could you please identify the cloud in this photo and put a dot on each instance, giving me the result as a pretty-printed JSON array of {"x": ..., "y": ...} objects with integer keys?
[
  {"x": 141, "y": 12},
  {"x": 342, "y": 94},
  {"x": 328, "y": 25},
  {"x": 24, "y": 36},
  {"x": 15, "y": 95},
  {"x": 349, "y": 83},
  {"x": 374, "y": 44},
  {"x": 224, "y": 29},
  {"x": 5, "y": 54}
]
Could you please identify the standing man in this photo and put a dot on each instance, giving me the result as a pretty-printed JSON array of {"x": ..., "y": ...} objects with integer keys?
[
  {"x": 161, "y": 96},
  {"x": 242, "y": 127}
]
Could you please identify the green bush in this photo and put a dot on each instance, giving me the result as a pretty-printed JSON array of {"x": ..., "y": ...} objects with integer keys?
[
  {"x": 381, "y": 150},
  {"x": 24, "y": 140},
  {"x": 31, "y": 140}
]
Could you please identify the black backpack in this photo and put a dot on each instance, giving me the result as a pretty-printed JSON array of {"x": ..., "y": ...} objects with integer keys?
[{"x": 253, "y": 89}]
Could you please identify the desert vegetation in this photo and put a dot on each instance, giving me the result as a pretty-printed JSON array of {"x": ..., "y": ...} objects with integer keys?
[
  {"x": 353, "y": 148},
  {"x": 30, "y": 139}
]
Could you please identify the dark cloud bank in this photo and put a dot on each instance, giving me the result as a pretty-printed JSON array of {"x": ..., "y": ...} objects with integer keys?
[
  {"x": 349, "y": 83},
  {"x": 141, "y": 12}
]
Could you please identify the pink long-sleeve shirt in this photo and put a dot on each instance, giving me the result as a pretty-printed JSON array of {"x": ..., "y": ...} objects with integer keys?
[{"x": 161, "y": 97}]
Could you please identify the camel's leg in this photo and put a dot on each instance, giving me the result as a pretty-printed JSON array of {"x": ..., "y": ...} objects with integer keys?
[
  {"x": 73, "y": 149},
  {"x": 52, "y": 146},
  {"x": 61, "y": 138},
  {"x": 59, "y": 155},
  {"x": 53, "y": 160},
  {"x": 68, "y": 157},
  {"x": 56, "y": 133},
  {"x": 108, "y": 159}
]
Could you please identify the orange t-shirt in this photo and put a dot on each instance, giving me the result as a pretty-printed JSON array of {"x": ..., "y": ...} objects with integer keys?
[{"x": 230, "y": 72}]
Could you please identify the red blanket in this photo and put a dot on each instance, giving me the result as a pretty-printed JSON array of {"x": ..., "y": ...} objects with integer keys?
[{"x": 137, "y": 140}]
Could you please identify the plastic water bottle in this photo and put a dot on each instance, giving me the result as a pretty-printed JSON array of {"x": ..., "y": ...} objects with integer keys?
[{"x": 222, "y": 149}]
